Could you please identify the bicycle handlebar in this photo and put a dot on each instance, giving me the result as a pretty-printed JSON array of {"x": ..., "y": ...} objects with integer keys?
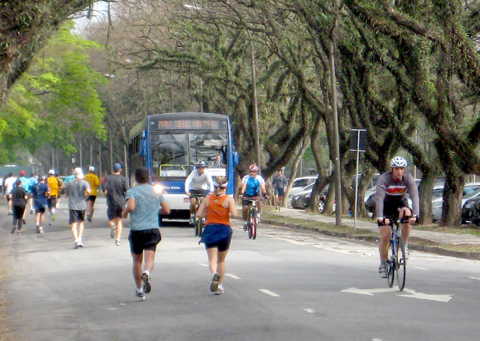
[
  {"x": 397, "y": 220},
  {"x": 258, "y": 198}
]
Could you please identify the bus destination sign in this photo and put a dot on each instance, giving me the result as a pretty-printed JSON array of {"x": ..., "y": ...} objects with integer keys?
[{"x": 188, "y": 124}]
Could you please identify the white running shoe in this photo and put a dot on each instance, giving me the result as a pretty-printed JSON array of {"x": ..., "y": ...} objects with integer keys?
[
  {"x": 113, "y": 231},
  {"x": 147, "y": 287},
  {"x": 140, "y": 295},
  {"x": 215, "y": 279},
  {"x": 219, "y": 290},
  {"x": 382, "y": 269}
]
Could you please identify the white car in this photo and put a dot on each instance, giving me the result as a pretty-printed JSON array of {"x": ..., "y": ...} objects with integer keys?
[
  {"x": 298, "y": 185},
  {"x": 471, "y": 190}
]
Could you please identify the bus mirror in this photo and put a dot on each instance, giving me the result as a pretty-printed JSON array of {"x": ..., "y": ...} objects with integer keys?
[{"x": 235, "y": 159}]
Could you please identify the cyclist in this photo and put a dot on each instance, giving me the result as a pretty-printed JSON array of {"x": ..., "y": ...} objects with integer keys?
[
  {"x": 196, "y": 184},
  {"x": 391, "y": 200},
  {"x": 251, "y": 186}
]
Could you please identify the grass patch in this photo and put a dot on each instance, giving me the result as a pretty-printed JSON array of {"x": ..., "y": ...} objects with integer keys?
[
  {"x": 315, "y": 225},
  {"x": 345, "y": 231}
]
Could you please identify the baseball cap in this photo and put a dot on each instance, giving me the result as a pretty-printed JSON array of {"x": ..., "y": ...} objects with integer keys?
[
  {"x": 51, "y": 172},
  {"x": 22, "y": 173},
  {"x": 78, "y": 173},
  {"x": 117, "y": 166},
  {"x": 91, "y": 169}
]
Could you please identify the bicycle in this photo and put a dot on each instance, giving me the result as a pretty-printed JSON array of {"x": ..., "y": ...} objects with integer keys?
[
  {"x": 252, "y": 217},
  {"x": 199, "y": 222},
  {"x": 396, "y": 261}
]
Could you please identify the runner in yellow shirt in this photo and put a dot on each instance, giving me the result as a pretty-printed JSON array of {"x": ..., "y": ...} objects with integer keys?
[
  {"x": 54, "y": 187},
  {"x": 94, "y": 182}
]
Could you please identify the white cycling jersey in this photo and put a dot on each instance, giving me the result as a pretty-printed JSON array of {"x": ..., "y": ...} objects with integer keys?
[{"x": 196, "y": 181}]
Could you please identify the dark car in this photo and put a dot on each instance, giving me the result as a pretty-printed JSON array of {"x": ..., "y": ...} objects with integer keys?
[
  {"x": 302, "y": 199},
  {"x": 471, "y": 211}
]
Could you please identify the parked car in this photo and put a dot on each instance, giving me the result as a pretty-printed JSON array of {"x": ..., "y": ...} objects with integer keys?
[
  {"x": 470, "y": 190},
  {"x": 471, "y": 211},
  {"x": 299, "y": 185},
  {"x": 302, "y": 199}
]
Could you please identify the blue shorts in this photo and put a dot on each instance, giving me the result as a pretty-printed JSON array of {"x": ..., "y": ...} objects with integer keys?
[
  {"x": 280, "y": 192},
  {"x": 217, "y": 236}
]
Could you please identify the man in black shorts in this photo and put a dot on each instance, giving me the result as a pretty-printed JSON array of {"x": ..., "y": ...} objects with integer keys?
[
  {"x": 116, "y": 186},
  {"x": 76, "y": 192},
  {"x": 391, "y": 201},
  {"x": 279, "y": 184},
  {"x": 144, "y": 204}
]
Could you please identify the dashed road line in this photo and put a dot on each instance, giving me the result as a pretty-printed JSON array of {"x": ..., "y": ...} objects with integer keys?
[{"x": 268, "y": 292}]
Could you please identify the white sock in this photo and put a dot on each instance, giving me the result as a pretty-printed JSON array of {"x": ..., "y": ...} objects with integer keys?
[
  {"x": 147, "y": 272},
  {"x": 139, "y": 290}
]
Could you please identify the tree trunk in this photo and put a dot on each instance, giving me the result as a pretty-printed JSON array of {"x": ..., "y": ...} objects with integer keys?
[{"x": 293, "y": 175}]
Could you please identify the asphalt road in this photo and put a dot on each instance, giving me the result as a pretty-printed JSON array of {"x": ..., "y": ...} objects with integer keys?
[{"x": 286, "y": 285}]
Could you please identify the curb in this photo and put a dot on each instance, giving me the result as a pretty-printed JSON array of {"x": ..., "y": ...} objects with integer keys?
[{"x": 374, "y": 239}]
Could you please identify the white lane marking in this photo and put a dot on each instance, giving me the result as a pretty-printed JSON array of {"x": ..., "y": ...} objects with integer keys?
[
  {"x": 268, "y": 292},
  {"x": 420, "y": 268},
  {"x": 419, "y": 295},
  {"x": 232, "y": 276},
  {"x": 204, "y": 265},
  {"x": 310, "y": 311},
  {"x": 475, "y": 278},
  {"x": 408, "y": 293},
  {"x": 369, "y": 292}
]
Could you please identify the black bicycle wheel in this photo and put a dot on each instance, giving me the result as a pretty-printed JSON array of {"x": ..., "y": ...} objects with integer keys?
[
  {"x": 249, "y": 223},
  {"x": 196, "y": 225},
  {"x": 254, "y": 225},
  {"x": 200, "y": 226},
  {"x": 401, "y": 264},
  {"x": 390, "y": 266}
]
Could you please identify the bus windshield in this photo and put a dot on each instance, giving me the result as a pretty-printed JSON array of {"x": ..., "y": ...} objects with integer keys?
[{"x": 173, "y": 156}]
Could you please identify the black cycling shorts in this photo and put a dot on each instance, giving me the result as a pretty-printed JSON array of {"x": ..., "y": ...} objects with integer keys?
[
  {"x": 391, "y": 208},
  {"x": 194, "y": 193}
]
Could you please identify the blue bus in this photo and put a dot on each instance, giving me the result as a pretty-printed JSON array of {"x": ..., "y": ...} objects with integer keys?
[{"x": 170, "y": 145}]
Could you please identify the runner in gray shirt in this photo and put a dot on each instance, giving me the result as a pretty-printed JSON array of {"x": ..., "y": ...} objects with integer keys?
[{"x": 77, "y": 191}]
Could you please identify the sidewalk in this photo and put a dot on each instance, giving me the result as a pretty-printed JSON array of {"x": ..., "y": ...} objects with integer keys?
[{"x": 417, "y": 236}]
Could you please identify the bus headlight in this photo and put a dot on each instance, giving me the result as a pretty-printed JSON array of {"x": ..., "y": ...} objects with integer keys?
[{"x": 158, "y": 188}]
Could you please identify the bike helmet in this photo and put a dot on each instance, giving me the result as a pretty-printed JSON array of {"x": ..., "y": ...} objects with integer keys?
[
  {"x": 398, "y": 161},
  {"x": 253, "y": 168},
  {"x": 201, "y": 164}
]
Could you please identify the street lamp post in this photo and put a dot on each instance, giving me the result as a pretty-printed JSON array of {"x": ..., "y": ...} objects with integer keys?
[
  {"x": 336, "y": 156},
  {"x": 254, "y": 100}
]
